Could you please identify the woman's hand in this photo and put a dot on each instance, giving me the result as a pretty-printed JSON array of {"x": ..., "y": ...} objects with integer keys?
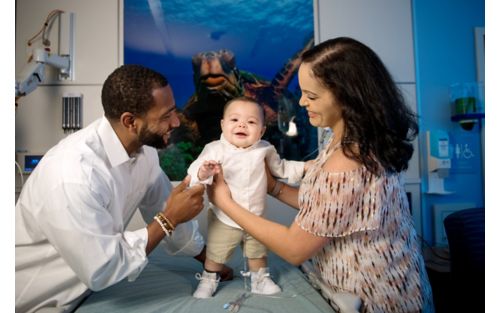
[{"x": 219, "y": 192}]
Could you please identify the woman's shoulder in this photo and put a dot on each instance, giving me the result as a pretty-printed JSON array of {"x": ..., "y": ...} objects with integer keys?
[{"x": 338, "y": 162}]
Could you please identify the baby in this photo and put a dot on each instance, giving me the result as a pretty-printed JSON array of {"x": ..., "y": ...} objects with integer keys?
[{"x": 243, "y": 155}]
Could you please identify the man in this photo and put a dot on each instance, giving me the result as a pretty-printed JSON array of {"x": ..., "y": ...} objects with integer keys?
[{"x": 73, "y": 210}]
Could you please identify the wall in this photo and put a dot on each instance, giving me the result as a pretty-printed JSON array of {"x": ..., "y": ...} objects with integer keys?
[
  {"x": 386, "y": 27},
  {"x": 427, "y": 45},
  {"x": 97, "y": 52},
  {"x": 444, "y": 54},
  {"x": 98, "y": 44}
]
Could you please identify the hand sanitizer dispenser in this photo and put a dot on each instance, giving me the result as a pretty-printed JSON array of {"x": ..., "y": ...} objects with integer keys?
[{"x": 438, "y": 160}]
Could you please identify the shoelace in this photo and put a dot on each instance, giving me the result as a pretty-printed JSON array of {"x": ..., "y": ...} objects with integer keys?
[
  {"x": 199, "y": 276},
  {"x": 260, "y": 278}
]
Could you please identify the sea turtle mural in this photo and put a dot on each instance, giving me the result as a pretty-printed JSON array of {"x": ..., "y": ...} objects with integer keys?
[{"x": 217, "y": 80}]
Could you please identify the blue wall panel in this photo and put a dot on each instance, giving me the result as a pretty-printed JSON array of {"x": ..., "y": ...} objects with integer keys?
[{"x": 445, "y": 54}]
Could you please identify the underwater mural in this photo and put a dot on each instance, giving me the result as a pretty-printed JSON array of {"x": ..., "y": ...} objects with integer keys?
[{"x": 213, "y": 51}]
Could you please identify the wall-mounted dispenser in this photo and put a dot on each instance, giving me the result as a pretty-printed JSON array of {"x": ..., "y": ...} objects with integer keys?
[
  {"x": 467, "y": 104},
  {"x": 438, "y": 160}
]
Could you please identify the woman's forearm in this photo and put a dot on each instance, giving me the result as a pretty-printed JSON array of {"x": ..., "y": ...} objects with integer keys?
[
  {"x": 289, "y": 195},
  {"x": 281, "y": 191},
  {"x": 291, "y": 243}
]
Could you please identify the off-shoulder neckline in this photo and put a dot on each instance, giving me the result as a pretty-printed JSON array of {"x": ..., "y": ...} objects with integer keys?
[{"x": 359, "y": 168}]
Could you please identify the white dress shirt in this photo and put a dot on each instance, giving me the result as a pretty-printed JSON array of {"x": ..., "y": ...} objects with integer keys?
[
  {"x": 245, "y": 173},
  {"x": 72, "y": 214}
]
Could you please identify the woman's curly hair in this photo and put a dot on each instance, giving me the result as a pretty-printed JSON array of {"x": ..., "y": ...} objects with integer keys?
[
  {"x": 374, "y": 112},
  {"x": 129, "y": 89}
]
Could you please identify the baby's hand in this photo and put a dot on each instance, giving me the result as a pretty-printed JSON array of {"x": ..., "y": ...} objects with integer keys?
[{"x": 209, "y": 168}]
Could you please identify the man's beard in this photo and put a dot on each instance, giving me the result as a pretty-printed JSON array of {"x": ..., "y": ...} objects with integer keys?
[{"x": 149, "y": 138}]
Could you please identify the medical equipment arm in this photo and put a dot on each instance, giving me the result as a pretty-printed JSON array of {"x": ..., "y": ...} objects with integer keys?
[{"x": 33, "y": 73}]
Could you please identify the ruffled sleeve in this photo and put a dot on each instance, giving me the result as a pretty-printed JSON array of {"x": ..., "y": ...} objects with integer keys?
[{"x": 340, "y": 204}]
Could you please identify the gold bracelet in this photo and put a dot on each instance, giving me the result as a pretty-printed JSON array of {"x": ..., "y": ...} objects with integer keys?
[
  {"x": 165, "y": 224},
  {"x": 165, "y": 230},
  {"x": 169, "y": 222},
  {"x": 278, "y": 187}
]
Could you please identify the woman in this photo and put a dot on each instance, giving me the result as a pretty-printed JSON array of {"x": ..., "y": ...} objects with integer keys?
[{"x": 354, "y": 219}]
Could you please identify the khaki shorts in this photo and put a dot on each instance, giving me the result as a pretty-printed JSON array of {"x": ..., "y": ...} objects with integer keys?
[{"x": 222, "y": 239}]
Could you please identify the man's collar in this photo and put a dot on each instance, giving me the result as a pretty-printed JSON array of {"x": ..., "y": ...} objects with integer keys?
[{"x": 112, "y": 145}]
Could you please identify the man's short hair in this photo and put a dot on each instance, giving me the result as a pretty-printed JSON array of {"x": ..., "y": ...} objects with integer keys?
[{"x": 130, "y": 89}]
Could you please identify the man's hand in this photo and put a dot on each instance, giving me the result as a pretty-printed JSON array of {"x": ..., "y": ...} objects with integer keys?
[{"x": 184, "y": 203}]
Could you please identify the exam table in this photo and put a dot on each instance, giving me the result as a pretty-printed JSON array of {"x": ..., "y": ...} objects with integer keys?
[{"x": 168, "y": 282}]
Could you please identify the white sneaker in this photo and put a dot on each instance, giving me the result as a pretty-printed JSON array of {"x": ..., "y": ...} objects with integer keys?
[
  {"x": 262, "y": 283},
  {"x": 207, "y": 286}
]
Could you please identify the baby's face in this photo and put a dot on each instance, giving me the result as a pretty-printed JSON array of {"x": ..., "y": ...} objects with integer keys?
[{"x": 243, "y": 123}]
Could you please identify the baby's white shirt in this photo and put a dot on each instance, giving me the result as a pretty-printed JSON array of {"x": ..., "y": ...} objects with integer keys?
[{"x": 245, "y": 173}]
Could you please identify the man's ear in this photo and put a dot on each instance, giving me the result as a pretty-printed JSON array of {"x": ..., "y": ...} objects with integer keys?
[
  {"x": 221, "y": 124},
  {"x": 129, "y": 121}
]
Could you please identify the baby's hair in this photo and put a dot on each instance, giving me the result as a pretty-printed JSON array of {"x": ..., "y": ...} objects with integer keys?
[{"x": 246, "y": 99}]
